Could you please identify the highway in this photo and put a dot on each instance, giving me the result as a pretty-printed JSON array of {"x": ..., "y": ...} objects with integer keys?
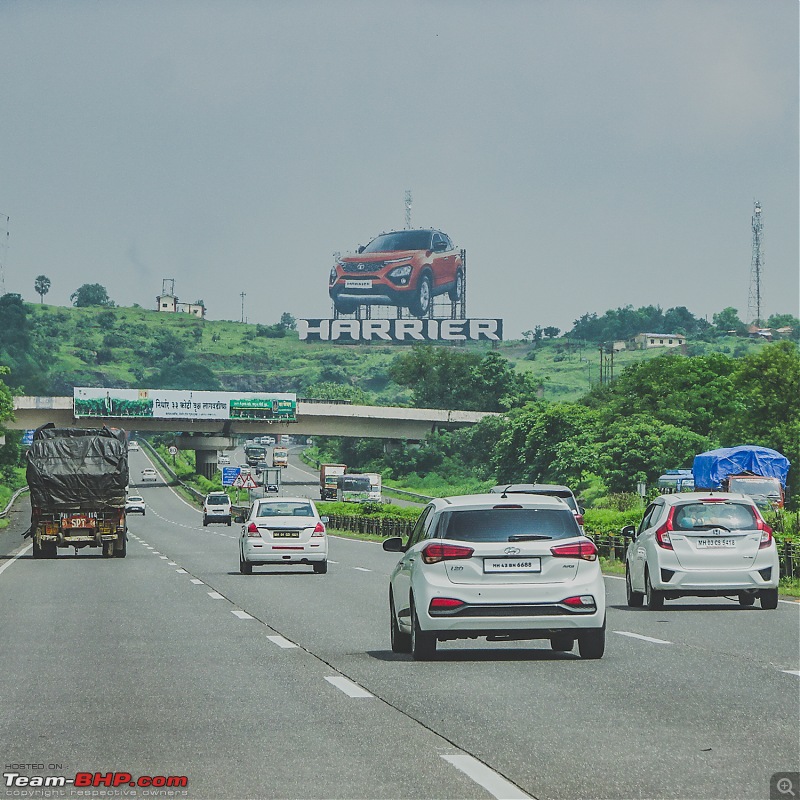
[{"x": 282, "y": 684}]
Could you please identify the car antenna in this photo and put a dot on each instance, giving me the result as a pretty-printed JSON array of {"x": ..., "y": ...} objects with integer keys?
[{"x": 504, "y": 496}]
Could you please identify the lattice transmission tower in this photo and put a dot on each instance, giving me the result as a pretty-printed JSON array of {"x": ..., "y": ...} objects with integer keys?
[
  {"x": 4, "y": 233},
  {"x": 408, "y": 209},
  {"x": 756, "y": 267}
]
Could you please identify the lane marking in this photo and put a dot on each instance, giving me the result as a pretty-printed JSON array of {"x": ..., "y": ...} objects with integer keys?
[
  {"x": 181, "y": 572},
  {"x": 614, "y": 577},
  {"x": 164, "y": 558},
  {"x": 197, "y": 581},
  {"x": 362, "y": 569},
  {"x": 241, "y": 614},
  {"x": 281, "y": 642},
  {"x": 493, "y": 782},
  {"x": 215, "y": 596},
  {"x": 332, "y": 562},
  {"x": 21, "y": 553},
  {"x": 792, "y": 672},
  {"x": 347, "y": 686},
  {"x": 643, "y": 638},
  {"x": 156, "y": 553}
]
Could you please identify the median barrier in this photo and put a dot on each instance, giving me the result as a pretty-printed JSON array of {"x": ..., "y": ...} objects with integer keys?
[{"x": 4, "y": 512}]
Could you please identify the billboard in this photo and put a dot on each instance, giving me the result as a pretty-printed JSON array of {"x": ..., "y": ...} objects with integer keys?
[
  {"x": 183, "y": 404},
  {"x": 400, "y": 331}
]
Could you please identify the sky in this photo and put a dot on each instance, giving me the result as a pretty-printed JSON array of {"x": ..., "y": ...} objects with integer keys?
[{"x": 587, "y": 154}]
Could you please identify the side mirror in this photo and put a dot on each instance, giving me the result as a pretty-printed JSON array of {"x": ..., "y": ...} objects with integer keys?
[
  {"x": 239, "y": 518},
  {"x": 629, "y": 531},
  {"x": 324, "y": 520},
  {"x": 360, "y": 249},
  {"x": 394, "y": 545},
  {"x": 581, "y": 510}
]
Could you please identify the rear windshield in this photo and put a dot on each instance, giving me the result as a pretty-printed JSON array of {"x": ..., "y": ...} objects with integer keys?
[
  {"x": 751, "y": 486},
  {"x": 217, "y": 500},
  {"x": 702, "y": 516},
  {"x": 286, "y": 509},
  {"x": 498, "y": 524}
]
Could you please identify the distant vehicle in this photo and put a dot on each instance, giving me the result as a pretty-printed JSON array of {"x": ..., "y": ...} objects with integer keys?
[
  {"x": 401, "y": 268},
  {"x": 149, "y": 474},
  {"x": 328, "y": 475},
  {"x": 133, "y": 445},
  {"x": 217, "y": 508},
  {"x": 375, "y": 487},
  {"x": 135, "y": 505},
  {"x": 280, "y": 457},
  {"x": 223, "y": 459},
  {"x": 267, "y": 440},
  {"x": 255, "y": 454},
  {"x": 505, "y": 568},
  {"x": 701, "y": 544},
  {"x": 675, "y": 480},
  {"x": 288, "y": 530},
  {"x": 549, "y": 489},
  {"x": 353, "y": 488},
  {"x": 77, "y": 480}
]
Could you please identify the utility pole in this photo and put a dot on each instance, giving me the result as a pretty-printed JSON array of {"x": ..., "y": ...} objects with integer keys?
[{"x": 243, "y": 295}]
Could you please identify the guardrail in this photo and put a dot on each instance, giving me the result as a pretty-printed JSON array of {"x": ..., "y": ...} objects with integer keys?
[
  {"x": 4, "y": 512},
  {"x": 174, "y": 479}
]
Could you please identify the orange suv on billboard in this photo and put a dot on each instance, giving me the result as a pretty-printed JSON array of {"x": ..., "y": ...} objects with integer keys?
[{"x": 400, "y": 268}]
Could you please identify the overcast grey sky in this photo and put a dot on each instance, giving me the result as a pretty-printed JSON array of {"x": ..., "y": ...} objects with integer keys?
[{"x": 587, "y": 154}]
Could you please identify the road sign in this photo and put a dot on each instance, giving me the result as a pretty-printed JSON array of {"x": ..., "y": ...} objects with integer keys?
[
  {"x": 27, "y": 438},
  {"x": 239, "y": 482},
  {"x": 248, "y": 482},
  {"x": 173, "y": 451},
  {"x": 229, "y": 475}
]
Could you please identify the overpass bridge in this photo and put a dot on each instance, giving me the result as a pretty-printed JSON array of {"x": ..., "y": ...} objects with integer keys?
[{"x": 207, "y": 436}]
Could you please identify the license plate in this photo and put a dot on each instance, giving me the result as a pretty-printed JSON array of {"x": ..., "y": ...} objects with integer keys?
[
  {"x": 715, "y": 544},
  {"x": 79, "y": 522},
  {"x": 358, "y": 284},
  {"x": 286, "y": 534},
  {"x": 512, "y": 564}
]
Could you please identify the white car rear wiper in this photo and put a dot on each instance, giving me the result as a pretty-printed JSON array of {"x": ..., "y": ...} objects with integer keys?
[
  {"x": 528, "y": 537},
  {"x": 710, "y": 527}
]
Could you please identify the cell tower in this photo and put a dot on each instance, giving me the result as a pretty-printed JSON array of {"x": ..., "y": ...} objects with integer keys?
[
  {"x": 4, "y": 220},
  {"x": 756, "y": 266},
  {"x": 408, "y": 209}
]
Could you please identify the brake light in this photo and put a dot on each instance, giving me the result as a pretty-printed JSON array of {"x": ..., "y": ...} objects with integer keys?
[
  {"x": 579, "y": 519},
  {"x": 319, "y": 530},
  {"x": 585, "y": 549},
  {"x": 662, "y": 533},
  {"x": 434, "y": 552},
  {"x": 252, "y": 530},
  {"x": 766, "y": 532},
  {"x": 444, "y": 604}
]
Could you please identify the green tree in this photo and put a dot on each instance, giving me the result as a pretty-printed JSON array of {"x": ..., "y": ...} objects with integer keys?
[
  {"x": 288, "y": 321},
  {"x": 187, "y": 374},
  {"x": 27, "y": 364},
  {"x": 551, "y": 332},
  {"x": 42, "y": 286},
  {"x": 727, "y": 321},
  {"x": 337, "y": 391},
  {"x": 90, "y": 294}
]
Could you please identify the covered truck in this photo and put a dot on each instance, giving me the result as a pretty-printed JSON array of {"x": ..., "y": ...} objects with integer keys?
[
  {"x": 78, "y": 480},
  {"x": 756, "y": 471},
  {"x": 328, "y": 475}
]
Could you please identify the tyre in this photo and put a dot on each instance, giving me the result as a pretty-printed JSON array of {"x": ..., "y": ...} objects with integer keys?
[
  {"x": 458, "y": 288},
  {"x": 122, "y": 550},
  {"x": 401, "y": 642},
  {"x": 746, "y": 599},
  {"x": 205, "y": 522},
  {"x": 320, "y": 567},
  {"x": 343, "y": 307},
  {"x": 245, "y": 567},
  {"x": 44, "y": 549},
  {"x": 653, "y": 599},
  {"x": 108, "y": 549},
  {"x": 592, "y": 642},
  {"x": 562, "y": 643},
  {"x": 229, "y": 523},
  {"x": 422, "y": 301},
  {"x": 768, "y": 598},
  {"x": 37, "y": 549},
  {"x": 423, "y": 645},
  {"x": 634, "y": 599}
]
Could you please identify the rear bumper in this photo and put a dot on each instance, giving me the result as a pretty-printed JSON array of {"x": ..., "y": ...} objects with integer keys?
[
  {"x": 286, "y": 554},
  {"x": 763, "y": 573}
]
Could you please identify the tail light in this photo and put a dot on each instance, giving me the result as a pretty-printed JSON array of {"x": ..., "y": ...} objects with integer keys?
[
  {"x": 662, "y": 533},
  {"x": 585, "y": 549},
  {"x": 580, "y": 601},
  {"x": 444, "y": 605},
  {"x": 434, "y": 552},
  {"x": 579, "y": 519},
  {"x": 766, "y": 532},
  {"x": 319, "y": 530},
  {"x": 252, "y": 530}
]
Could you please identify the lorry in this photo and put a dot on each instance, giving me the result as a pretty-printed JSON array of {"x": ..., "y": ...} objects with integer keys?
[
  {"x": 675, "y": 480},
  {"x": 747, "y": 469},
  {"x": 280, "y": 457},
  {"x": 353, "y": 488},
  {"x": 375, "y": 487},
  {"x": 328, "y": 474},
  {"x": 78, "y": 480}
]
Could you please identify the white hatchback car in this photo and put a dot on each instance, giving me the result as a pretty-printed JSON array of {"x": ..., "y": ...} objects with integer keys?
[
  {"x": 504, "y": 568},
  {"x": 217, "y": 508},
  {"x": 285, "y": 530},
  {"x": 701, "y": 544},
  {"x": 149, "y": 474}
]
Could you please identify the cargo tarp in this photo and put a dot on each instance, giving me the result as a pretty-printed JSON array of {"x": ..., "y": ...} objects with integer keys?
[
  {"x": 77, "y": 469},
  {"x": 710, "y": 469}
]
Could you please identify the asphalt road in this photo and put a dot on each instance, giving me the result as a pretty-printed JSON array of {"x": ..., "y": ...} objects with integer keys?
[{"x": 171, "y": 663}]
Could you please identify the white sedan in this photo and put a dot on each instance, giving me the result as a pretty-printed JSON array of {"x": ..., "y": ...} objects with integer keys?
[
  {"x": 504, "y": 568},
  {"x": 285, "y": 530}
]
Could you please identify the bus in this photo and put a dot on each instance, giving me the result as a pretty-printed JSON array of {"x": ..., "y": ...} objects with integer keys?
[{"x": 255, "y": 454}]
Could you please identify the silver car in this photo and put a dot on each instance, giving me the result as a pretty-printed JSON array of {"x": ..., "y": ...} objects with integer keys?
[{"x": 703, "y": 545}]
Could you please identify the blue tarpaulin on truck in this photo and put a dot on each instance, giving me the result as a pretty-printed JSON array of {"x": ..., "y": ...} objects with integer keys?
[{"x": 710, "y": 469}]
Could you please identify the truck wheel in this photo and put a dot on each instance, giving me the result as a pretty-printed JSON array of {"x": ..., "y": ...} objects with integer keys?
[
  {"x": 37, "y": 549},
  {"x": 421, "y": 303},
  {"x": 108, "y": 549},
  {"x": 122, "y": 550}
]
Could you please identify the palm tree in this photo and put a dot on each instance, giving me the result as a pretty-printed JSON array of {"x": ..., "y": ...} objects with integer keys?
[{"x": 41, "y": 286}]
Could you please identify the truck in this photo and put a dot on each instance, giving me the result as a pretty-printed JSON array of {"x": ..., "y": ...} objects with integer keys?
[
  {"x": 78, "y": 480},
  {"x": 747, "y": 469},
  {"x": 353, "y": 488},
  {"x": 676, "y": 480},
  {"x": 328, "y": 473},
  {"x": 280, "y": 457},
  {"x": 375, "y": 487}
]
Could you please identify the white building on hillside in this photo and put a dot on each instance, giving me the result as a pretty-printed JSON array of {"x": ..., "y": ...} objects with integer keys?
[
  {"x": 168, "y": 302},
  {"x": 644, "y": 341}
]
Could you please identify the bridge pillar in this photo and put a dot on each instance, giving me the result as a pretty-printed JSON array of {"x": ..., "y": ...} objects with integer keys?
[
  {"x": 205, "y": 451},
  {"x": 206, "y": 463}
]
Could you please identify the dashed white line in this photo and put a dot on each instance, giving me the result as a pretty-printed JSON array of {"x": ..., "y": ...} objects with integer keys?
[
  {"x": 792, "y": 672},
  {"x": 643, "y": 638},
  {"x": 215, "y": 596},
  {"x": 241, "y": 614},
  {"x": 494, "y": 783},
  {"x": 164, "y": 558},
  {"x": 332, "y": 562},
  {"x": 347, "y": 686},
  {"x": 281, "y": 642},
  {"x": 21, "y": 553},
  {"x": 362, "y": 569},
  {"x": 172, "y": 563},
  {"x": 181, "y": 572},
  {"x": 197, "y": 581}
]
